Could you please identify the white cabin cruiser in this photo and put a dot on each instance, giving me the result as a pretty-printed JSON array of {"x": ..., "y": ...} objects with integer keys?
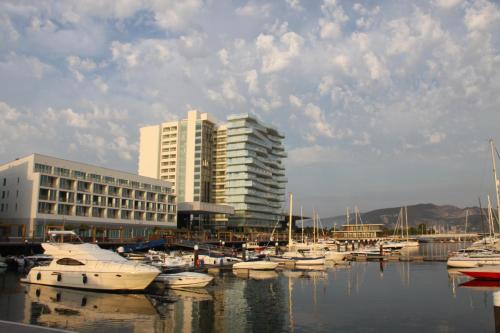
[{"x": 87, "y": 266}]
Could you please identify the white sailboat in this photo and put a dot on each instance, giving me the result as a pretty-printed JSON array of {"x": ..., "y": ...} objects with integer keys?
[
  {"x": 297, "y": 256},
  {"x": 87, "y": 266}
]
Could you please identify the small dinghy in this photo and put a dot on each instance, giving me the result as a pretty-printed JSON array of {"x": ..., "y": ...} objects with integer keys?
[
  {"x": 256, "y": 265},
  {"x": 184, "y": 280}
]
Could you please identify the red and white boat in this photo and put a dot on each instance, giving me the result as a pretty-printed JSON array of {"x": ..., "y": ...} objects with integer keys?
[{"x": 483, "y": 272}]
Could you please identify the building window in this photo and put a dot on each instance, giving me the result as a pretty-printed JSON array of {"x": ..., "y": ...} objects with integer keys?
[
  {"x": 4, "y": 181},
  {"x": 79, "y": 174},
  {"x": 61, "y": 171},
  {"x": 43, "y": 168},
  {"x": 3, "y": 194}
]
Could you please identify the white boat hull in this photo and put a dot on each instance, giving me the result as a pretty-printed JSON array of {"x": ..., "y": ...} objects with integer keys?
[
  {"x": 184, "y": 280},
  {"x": 256, "y": 265},
  {"x": 298, "y": 260},
  {"x": 93, "y": 281},
  {"x": 467, "y": 262}
]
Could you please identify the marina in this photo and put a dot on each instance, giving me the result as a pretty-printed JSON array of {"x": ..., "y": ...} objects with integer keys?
[
  {"x": 249, "y": 166},
  {"x": 355, "y": 297}
]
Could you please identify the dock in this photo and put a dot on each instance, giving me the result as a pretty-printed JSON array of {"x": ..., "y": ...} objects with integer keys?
[{"x": 13, "y": 327}]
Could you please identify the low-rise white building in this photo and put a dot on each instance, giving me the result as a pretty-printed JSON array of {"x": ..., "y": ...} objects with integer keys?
[{"x": 40, "y": 193}]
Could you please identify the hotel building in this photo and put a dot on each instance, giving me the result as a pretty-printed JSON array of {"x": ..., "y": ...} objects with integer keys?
[
  {"x": 40, "y": 193},
  {"x": 255, "y": 175},
  {"x": 183, "y": 152},
  {"x": 226, "y": 175}
]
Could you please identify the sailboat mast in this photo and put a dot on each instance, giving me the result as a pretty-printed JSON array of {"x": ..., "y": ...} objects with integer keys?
[
  {"x": 302, "y": 223},
  {"x": 290, "y": 224},
  {"x": 493, "y": 148},
  {"x": 314, "y": 226},
  {"x": 407, "y": 225},
  {"x": 347, "y": 216},
  {"x": 466, "y": 220},
  {"x": 356, "y": 214},
  {"x": 490, "y": 218}
]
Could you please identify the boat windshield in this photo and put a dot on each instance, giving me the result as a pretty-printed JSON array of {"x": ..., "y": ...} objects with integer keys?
[{"x": 63, "y": 236}]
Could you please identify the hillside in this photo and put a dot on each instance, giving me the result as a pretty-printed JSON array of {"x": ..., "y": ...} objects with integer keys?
[{"x": 444, "y": 217}]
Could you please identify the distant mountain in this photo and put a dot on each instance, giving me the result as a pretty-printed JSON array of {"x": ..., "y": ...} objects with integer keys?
[{"x": 442, "y": 218}]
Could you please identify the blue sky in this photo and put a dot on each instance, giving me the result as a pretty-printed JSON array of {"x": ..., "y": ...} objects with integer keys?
[{"x": 383, "y": 103}]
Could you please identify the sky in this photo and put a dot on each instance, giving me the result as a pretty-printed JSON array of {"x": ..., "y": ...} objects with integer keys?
[{"x": 383, "y": 103}]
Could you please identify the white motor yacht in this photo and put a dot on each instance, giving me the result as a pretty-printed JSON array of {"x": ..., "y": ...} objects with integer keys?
[
  {"x": 87, "y": 266},
  {"x": 185, "y": 280}
]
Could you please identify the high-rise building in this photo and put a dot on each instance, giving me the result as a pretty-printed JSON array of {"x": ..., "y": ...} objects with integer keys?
[
  {"x": 255, "y": 175},
  {"x": 182, "y": 152},
  {"x": 41, "y": 193},
  {"x": 217, "y": 166}
]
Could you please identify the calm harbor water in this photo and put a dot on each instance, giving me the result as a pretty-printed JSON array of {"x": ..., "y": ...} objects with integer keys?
[{"x": 361, "y": 297}]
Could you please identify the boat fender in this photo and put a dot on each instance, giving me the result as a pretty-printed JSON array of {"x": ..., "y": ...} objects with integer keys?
[
  {"x": 59, "y": 277},
  {"x": 84, "y": 278},
  {"x": 39, "y": 276},
  {"x": 84, "y": 301}
]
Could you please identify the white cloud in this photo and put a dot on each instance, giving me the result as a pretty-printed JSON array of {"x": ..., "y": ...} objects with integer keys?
[
  {"x": 145, "y": 52},
  {"x": 295, "y": 101},
  {"x": 319, "y": 124},
  {"x": 481, "y": 15},
  {"x": 101, "y": 85},
  {"x": 74, "y": 119},
  {"x": 252, "y": 80},
  {"x": 447, "y": 3},
  {"x": 375, "y": 66},
  {"x": 362, "y": 140},
  {"x": 253, "y": 9},
  {"x": 230, "y": 90},
  {"x": 8, "y": 113},
  {"x": 294, "y": 4},
  {"x": 193, "y": 45},
  {"x": 435, "y": 137},
  {"x": 278, "y": 56},
  {"x": 223, "y": 56},
  {"x": 173, "y": 14},
  {"x": 330, "y": 27}
]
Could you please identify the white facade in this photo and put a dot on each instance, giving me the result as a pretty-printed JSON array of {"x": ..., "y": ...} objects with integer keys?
[
  {"x": 39, "y": 192},
  {"x": 255, "y": 174},
  {"x": 239, "y": 164}
]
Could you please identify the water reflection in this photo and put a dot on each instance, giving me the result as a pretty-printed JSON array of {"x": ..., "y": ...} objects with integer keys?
[
  {"x": 58, "y": 307},
  {"x": 255, "y": 275},
  {"x": 487, "y": 287}
]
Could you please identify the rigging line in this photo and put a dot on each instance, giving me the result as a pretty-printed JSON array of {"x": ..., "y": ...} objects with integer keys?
[{"x": 483, "y": 175}]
